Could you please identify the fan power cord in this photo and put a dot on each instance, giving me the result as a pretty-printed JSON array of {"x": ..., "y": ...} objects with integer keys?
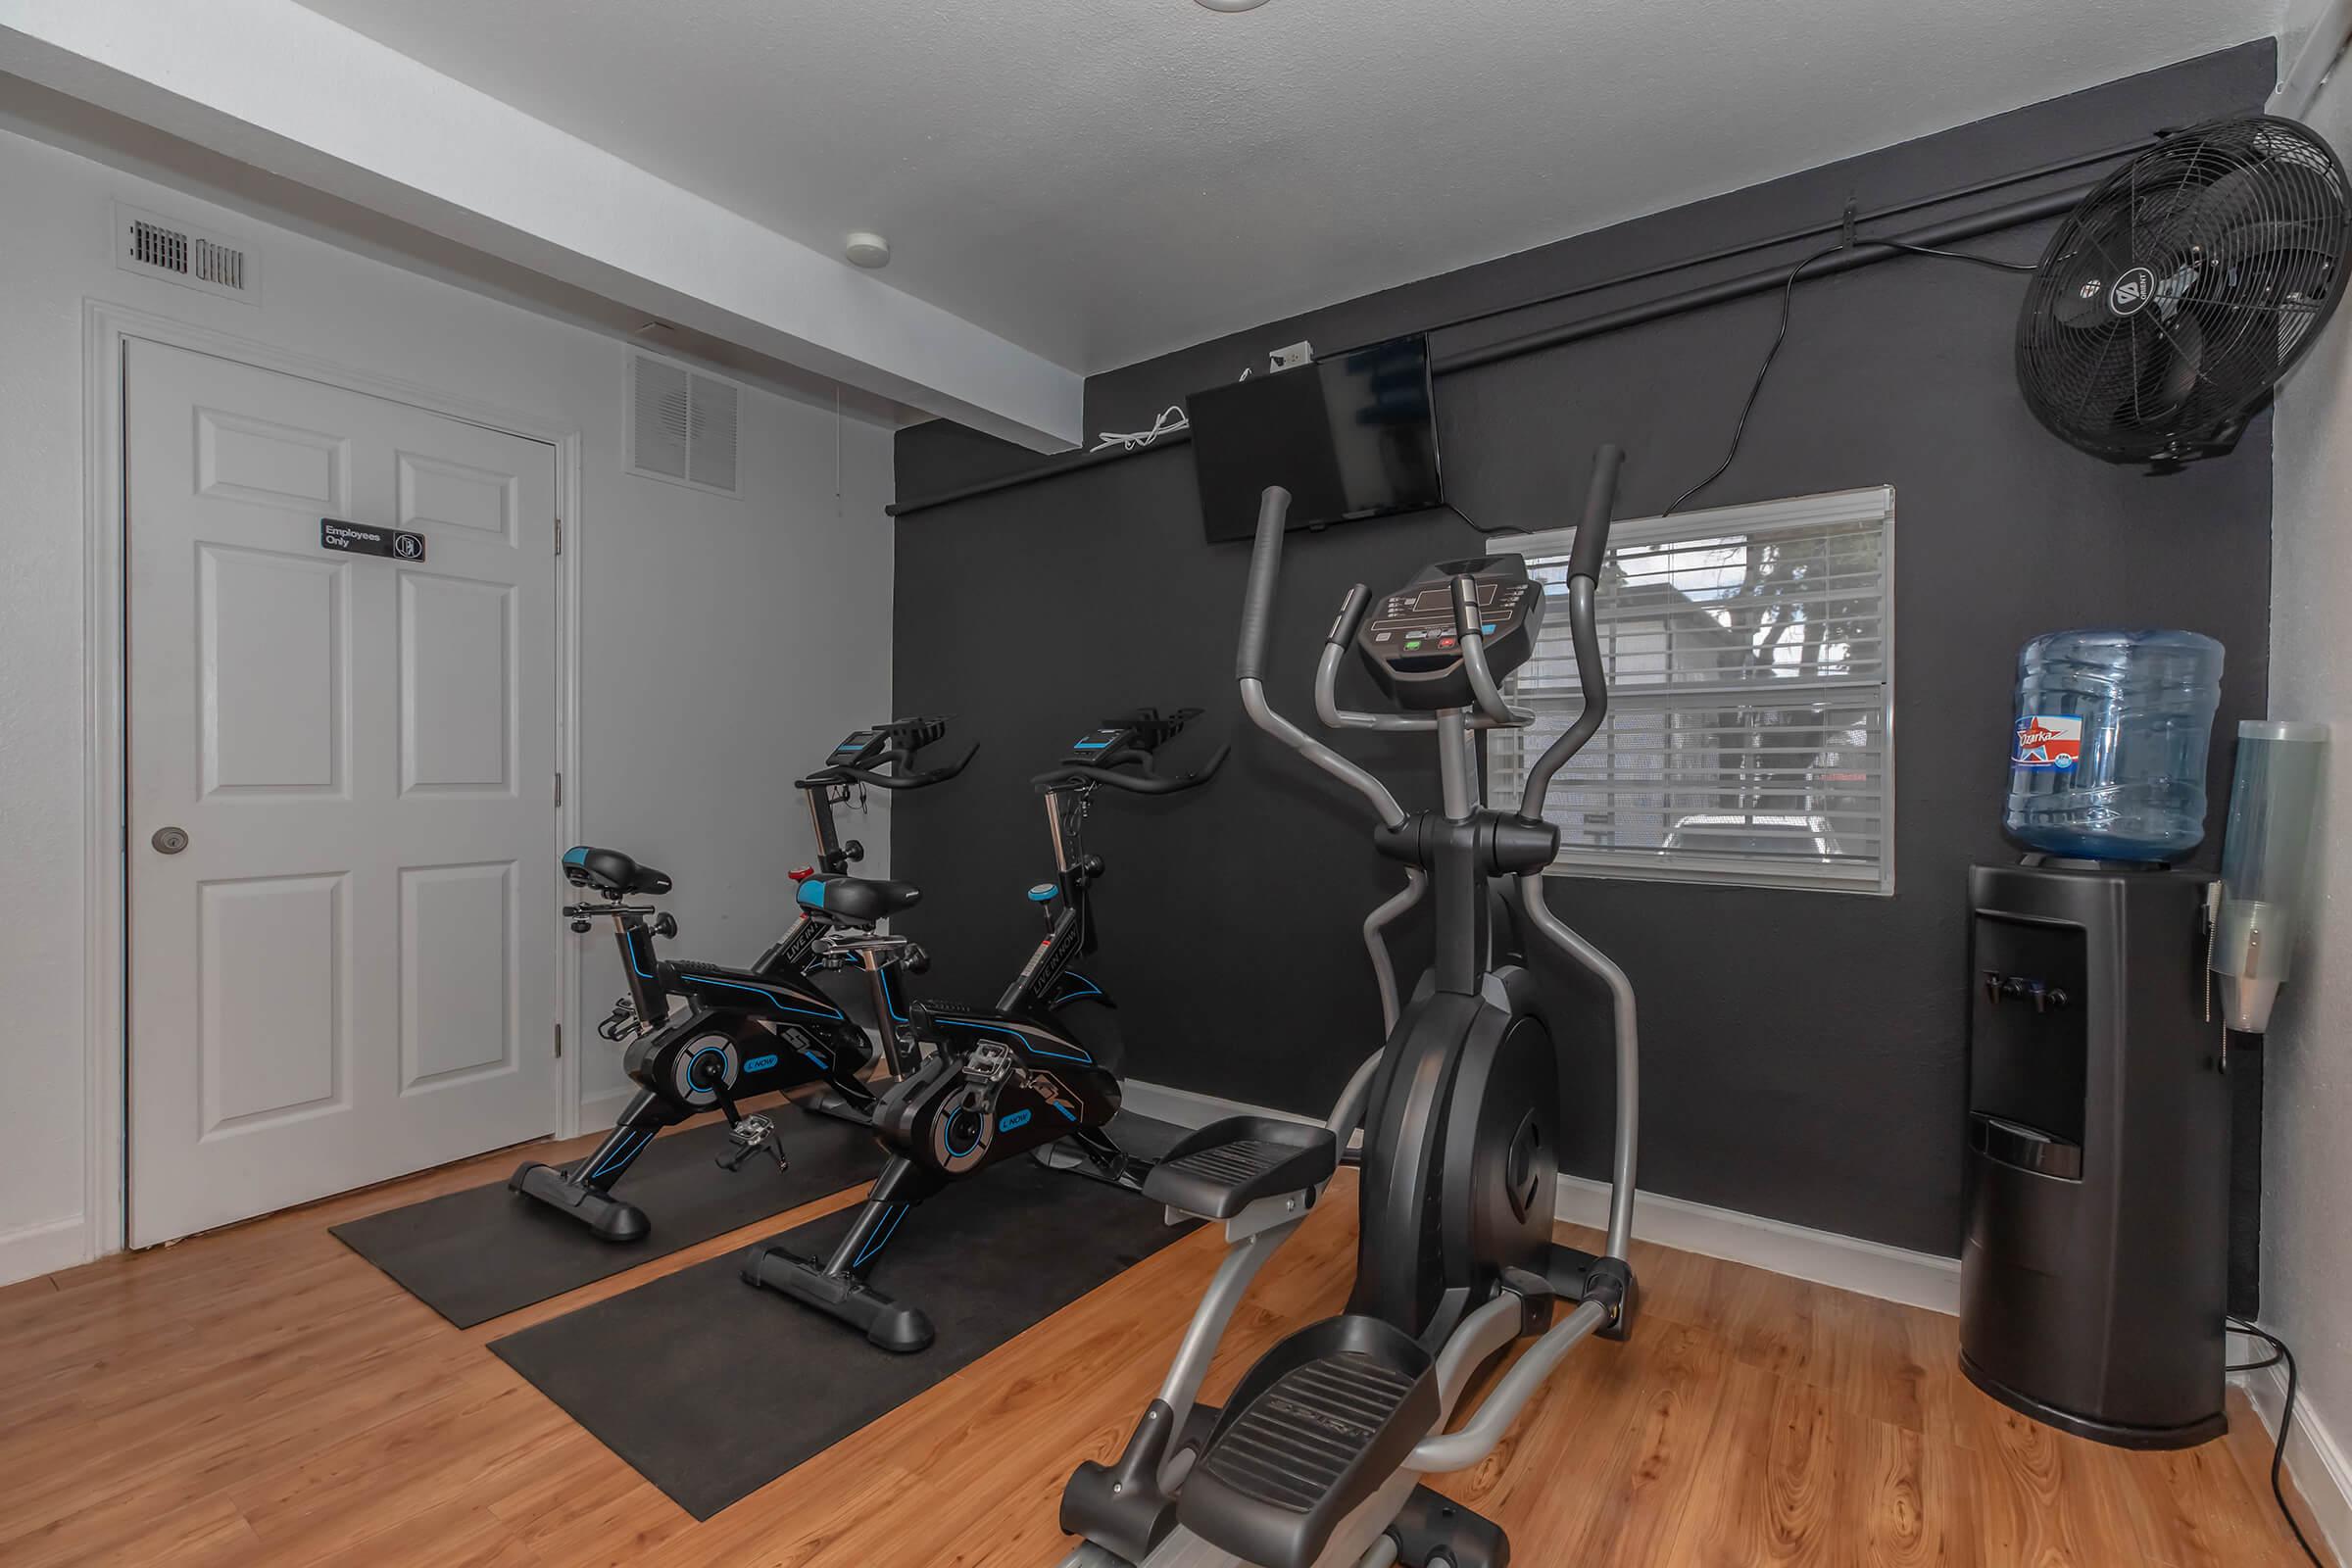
[
  {"x": 1788, "y": 306},
  {"x": 1739, "y": 426},
  {"x": 2279, "y": 1354}
]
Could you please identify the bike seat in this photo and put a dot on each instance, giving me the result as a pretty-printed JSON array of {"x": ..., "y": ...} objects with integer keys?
[
  {"x": 611, "y": 872},
  {"x": 858, "y": 897}
]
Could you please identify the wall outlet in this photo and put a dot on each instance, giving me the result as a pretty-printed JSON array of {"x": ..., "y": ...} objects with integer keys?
[{"x": 1290, "y": 358}]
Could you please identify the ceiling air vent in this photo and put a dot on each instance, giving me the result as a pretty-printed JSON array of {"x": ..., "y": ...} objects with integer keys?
[
  {"x": 682, "y": 424},
  {"x": 183, "y": 252}
]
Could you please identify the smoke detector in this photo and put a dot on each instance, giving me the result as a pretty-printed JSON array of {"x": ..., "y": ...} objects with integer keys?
[
  {"x": 866, "y": 250},
  {"x": 1230, "y": 5}
]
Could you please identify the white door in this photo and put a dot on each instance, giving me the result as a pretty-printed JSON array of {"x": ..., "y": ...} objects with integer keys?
[{"x": 349, "y": 971}]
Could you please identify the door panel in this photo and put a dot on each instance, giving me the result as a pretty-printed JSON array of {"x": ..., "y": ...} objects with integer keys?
[
  {"x": 348, "y": 973},
  {"x": 269, "y": 663},
  {"x": 274, "y": 974},
  {"x": 457, "y": 929},
  {"x": 434, "y": 491},
  {"x": 241, "y": 458},
  {"x": 457, "y": 687}
]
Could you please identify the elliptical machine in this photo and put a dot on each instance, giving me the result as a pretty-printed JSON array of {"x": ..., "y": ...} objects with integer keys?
[
  {"x": 1000, "y": 1081},
  {"x": 1316, "y": 1459},
  {"x": 747, "y": 1032}
]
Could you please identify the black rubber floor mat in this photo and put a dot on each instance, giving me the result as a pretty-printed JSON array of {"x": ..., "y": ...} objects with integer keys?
[
  {"x": 487, "y": 1251},
  {"x": 711, "y": 1388}
]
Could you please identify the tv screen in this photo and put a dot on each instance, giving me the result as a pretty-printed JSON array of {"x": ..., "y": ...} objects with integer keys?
[{"x": 1352, "y": 437}]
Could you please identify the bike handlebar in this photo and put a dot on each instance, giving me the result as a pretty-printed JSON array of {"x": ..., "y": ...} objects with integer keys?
[
  {"x": 843, "y": 773},
  {"x": 1144, "y": 781}
]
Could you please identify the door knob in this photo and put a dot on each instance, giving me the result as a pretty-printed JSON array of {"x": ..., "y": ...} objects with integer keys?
[{"x": 169, "y": 840}]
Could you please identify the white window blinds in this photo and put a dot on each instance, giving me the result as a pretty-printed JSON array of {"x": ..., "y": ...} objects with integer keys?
[{"x": 1751, "y": 697}]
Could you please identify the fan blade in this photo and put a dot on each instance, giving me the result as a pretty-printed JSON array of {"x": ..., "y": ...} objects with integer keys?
[{"x": 2166, "y": 363}]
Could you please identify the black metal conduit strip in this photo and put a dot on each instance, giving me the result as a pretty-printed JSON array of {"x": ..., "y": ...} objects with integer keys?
[{"x": 1861, "y": 252}]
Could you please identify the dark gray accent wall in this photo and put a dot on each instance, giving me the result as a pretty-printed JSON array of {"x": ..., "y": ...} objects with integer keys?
[{"x": 1804, "y": 1053}]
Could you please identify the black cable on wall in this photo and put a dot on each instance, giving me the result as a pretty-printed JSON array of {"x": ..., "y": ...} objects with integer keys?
[{"x": 1843, "y": 258}]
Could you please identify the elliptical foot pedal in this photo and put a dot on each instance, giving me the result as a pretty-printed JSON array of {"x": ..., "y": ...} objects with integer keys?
[
  {"x": 1321, "y": 1422},
  {"x": 890, "y": 1325},
  {"x": 1230, "y": 1164},
  {"x": 608, "y": 1217}
]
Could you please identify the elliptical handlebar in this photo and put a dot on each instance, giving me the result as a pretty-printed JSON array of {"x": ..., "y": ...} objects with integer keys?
[
  {"x": 1584, "y": 561},
  {"x": 1265, "y": 568},
  {"x": 1249, "y": 662}
]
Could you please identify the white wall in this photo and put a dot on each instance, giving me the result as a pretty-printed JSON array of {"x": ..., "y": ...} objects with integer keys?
[
  {"x": 2306, "y": 1175},
  {"x": 724, "y": 643}
]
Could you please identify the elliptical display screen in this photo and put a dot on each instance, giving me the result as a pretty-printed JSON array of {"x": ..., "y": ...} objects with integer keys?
[
  {"x": 1352, "y": 437},
  {"x": 1412, "y": 643}
]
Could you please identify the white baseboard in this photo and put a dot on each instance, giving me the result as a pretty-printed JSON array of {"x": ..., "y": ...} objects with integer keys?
[
  {"x": 43, "y": 1249},
  {"x": 1848, "y": 1262},
  {"x": 2314, "y": 1457}
]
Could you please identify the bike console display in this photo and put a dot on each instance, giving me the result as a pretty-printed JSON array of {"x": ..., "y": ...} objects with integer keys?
[{"x": 1412, "y": 638}]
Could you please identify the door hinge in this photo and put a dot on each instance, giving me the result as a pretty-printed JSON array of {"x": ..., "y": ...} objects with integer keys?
[
  {"x": 558, "y": 791},
  {"x": 558, "y": 536},
  {"x": 559, "y": 1040}
]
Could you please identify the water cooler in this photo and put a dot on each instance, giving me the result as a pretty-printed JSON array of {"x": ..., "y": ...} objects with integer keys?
[{"x": 2094, "y": 1265}]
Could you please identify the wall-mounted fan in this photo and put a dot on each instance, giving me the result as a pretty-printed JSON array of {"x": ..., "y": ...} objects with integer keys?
[{"x": 2172, "y": 301}]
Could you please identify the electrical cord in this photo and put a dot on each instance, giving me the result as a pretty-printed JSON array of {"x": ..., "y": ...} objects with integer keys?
[
  {"x": 1953, "y": 256},
  {"x": 1171, "y": 419},
  {"x": 1475, "y": 525},
  {"x": 2287, "y": 1420},
  {"x": 1788, "y": 306},
  {"x": 1739, "y": 428}
]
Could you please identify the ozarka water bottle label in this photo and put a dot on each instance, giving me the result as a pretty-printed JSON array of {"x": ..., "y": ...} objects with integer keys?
[{"x": 2047, "y": 743}]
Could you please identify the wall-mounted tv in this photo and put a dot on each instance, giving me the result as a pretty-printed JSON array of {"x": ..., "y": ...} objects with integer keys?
[{"x": 1352, "y": 437}]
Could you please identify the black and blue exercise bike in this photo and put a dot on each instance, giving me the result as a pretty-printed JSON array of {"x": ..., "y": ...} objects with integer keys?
[
  {"x": 743, "y": 1033},
  {"x": 1021, "y": 1077}
]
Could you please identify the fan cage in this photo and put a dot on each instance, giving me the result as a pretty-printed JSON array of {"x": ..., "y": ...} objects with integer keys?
[{"x": 2174, "y": 298}]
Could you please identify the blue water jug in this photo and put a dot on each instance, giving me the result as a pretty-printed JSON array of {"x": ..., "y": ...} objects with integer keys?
[{"x": 2109, "y": 757}]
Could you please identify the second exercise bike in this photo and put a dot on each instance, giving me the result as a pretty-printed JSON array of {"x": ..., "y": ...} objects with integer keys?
[{"x": 1002, "y": 1081}]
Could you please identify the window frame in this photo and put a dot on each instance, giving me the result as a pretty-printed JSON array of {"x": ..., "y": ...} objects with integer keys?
[{"x": 1874, "y": 504}]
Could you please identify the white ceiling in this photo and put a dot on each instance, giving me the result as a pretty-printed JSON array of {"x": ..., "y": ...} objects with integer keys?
[{"x": 1100, "y": 181}]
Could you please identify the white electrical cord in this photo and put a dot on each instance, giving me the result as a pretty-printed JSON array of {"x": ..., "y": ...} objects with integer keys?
[{"x": 1171, "y": 419}]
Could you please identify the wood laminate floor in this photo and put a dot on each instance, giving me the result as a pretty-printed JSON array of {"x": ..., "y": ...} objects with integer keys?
[{"x": 261, "y": 1395}]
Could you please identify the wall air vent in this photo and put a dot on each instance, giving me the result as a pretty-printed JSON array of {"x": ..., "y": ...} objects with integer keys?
[
  {"x": 185, "y": 254},
  {"x": 682, "y": 424}
]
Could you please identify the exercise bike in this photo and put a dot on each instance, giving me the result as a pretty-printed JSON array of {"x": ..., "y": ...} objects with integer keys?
[
  {"x": 879, "y": 757},
  {"x": 1003, "y": 1081},
  {"x": 748, "y": 1032},
  {"x": 1315, "y": 1460}
]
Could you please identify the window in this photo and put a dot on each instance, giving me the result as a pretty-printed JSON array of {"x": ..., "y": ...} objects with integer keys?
[{"x": 1751, "y": 697}]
